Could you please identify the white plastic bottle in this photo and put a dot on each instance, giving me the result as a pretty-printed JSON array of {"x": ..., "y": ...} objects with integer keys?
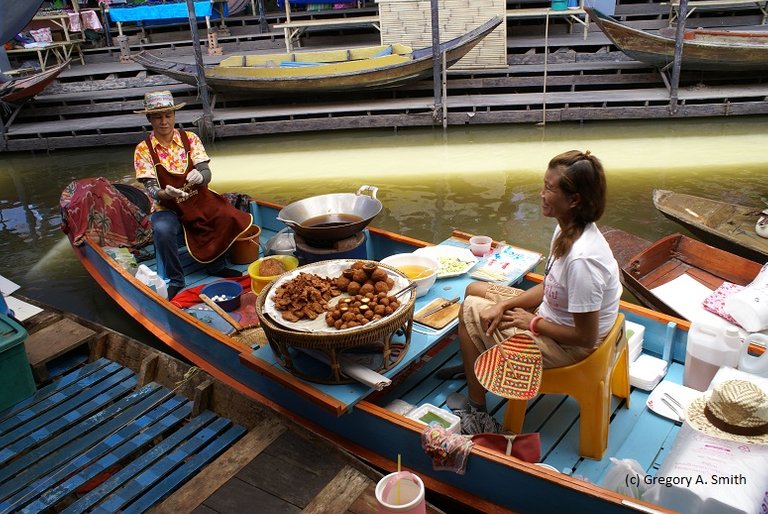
[{"x": 709, "y": 348}]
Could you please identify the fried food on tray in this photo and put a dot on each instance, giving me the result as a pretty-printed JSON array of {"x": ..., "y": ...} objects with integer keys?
[{"x": 304, "y": 296}]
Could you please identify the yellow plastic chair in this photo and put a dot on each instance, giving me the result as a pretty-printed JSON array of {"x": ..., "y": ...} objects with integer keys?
[{"x": 591, "y": 382}]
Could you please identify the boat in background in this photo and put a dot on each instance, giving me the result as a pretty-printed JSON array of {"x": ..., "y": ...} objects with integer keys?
[
  {"x": 646, "y": 265},
  {"x": 351, "y": 69},
  {"x": 724, "y": 225},
  {"x": 194, "y": 435},
  {"x": 717, "y": 50},
  {"x": 18, "y": 90},
  {"x": 368, "y": 422}
]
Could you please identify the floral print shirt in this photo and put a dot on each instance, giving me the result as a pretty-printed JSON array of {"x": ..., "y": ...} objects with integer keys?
[{"x": 173, "y": 158}]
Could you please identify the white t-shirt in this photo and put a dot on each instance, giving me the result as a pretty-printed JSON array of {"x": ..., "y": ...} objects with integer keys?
[{"x": 585, "y": 280}]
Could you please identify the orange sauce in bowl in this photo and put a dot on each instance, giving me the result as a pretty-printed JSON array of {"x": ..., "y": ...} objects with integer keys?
[{"x": 414, "y": 271}]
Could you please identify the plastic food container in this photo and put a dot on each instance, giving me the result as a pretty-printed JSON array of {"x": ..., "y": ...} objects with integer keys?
[
  {"x": 258, "y": 281},
  {"x": 428, "y": 414}
]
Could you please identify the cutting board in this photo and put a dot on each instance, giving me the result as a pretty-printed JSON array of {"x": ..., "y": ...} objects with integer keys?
[{"x": 439, "y": 319}]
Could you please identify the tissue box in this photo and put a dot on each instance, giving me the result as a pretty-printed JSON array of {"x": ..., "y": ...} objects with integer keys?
[
  {"x": 428, "y": 414},
  {"x": 646, "y": 372}
]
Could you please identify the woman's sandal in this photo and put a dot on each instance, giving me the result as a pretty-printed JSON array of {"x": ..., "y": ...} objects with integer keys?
[{"x": 451, "y": 373}]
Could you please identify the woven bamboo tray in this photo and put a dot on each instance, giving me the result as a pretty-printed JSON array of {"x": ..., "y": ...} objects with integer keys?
[{"x": 389, "y": 337}]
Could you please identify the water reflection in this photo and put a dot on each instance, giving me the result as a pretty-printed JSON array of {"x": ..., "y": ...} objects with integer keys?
[{"x": 477, "y": 179}]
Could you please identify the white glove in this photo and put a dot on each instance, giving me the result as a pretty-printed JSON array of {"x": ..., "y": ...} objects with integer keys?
[
  {"x": 194, "y": 177},
  {"x": 173, "y": 192}
]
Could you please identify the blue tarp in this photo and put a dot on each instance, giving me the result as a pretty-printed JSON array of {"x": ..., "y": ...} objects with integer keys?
[{"x": 159, "y": 12}]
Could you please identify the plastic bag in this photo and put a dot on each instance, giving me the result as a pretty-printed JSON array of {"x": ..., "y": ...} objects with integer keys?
[
  {"x": 625, "y": 476},
  {"x": 152, "y": 279}
]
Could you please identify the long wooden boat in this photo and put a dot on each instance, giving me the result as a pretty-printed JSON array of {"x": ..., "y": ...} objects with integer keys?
[
  {"x": 201, "y": 444},
  {"x": 24, "y": 88},
  {"x": 725, "y": 225},
  {"x": 358, "y": 418},
  {"x": 702, "y": 49},
  {"x": 646, "y": 265},
  {"x": 325, "y": 71}
]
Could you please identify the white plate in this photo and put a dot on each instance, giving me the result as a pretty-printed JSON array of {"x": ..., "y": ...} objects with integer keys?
[
  {"x": 684, "y": 395},
  {"x": 327, "y": 269},
  {"x": 462, "y": 255}
]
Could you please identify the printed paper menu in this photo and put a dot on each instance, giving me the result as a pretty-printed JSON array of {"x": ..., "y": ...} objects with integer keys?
[{"x": 507, "y": 264}]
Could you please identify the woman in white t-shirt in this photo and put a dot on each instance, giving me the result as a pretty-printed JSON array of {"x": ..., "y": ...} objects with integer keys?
[{"x": 575, "y": 306}]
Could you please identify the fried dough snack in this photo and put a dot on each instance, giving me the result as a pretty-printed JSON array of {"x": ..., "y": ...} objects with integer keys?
[{"x": 304, "y": 296}]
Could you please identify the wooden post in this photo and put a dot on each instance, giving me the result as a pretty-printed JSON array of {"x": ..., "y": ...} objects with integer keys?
[
  {"x": 205, "y": 124},
  {"x": 682, "y": 11},
  {"x": 263, "y": 25},
  {"x": 436, "y": 62}
]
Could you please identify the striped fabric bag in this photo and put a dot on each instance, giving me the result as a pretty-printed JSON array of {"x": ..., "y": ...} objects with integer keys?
[{"x": 511, "y": 369}]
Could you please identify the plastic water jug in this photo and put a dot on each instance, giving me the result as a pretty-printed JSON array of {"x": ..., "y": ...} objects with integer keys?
[
  {"x": 751, "y": 364},
  {"x": 709, "y": 348},
  {"x": 152, "y": 279}
]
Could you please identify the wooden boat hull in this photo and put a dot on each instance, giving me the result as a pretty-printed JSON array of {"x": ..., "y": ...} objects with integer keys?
[
  {"x": 396, "y": 73},
  {"x": 19, "y": 90},
  {"x": 724, "y": 225},
  {"x": 492, "y": 482},
  {"x": 720, "y": 51},
  {"x": 655, "y": 264}
]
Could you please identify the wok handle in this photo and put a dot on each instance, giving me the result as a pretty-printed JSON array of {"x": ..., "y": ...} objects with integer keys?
[
  {"x": 221, "y": 312},
  {"x": 367, "y": 189}
]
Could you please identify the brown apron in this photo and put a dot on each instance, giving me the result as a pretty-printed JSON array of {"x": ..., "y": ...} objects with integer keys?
[{"x": 210, "y": 223}]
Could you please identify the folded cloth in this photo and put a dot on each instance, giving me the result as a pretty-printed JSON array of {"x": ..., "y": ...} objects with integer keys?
[
  {"x": 525, "y": 447},
  {"x": 353, "y": 370},
  {"x": 715, "y": 303},
  {"x": 447, "y": 450}
]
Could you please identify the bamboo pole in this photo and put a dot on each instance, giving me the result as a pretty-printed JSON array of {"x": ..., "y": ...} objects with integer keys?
[{"x": 437, "y": 92}]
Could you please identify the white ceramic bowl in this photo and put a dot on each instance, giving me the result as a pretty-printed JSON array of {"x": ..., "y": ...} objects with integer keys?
[{"x": 424, "y": 282}]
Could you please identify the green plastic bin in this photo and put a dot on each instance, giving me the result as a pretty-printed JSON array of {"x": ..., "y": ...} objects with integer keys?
[{"x": 16, "y": 381}]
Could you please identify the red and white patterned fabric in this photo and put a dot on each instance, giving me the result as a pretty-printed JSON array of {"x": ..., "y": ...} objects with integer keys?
[{"x": 715, "y": 303}]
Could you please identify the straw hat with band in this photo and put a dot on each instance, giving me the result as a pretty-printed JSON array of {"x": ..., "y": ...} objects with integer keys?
[
  {"x": 735, "y": 410},
  {"x": 159, "y": 101}
]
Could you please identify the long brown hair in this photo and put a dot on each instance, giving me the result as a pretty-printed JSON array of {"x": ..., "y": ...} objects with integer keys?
[{"x": 580, "y": 173}]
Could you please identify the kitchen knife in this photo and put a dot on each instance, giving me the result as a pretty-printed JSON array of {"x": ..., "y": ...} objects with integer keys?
[{"x": 440, "y": 307}]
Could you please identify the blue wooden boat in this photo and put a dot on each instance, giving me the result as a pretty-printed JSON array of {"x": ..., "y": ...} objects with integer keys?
[{"x": 356, "y": 417}]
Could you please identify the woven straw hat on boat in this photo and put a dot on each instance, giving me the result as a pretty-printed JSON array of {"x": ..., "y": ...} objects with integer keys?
[
  {"x": 735, "y": 410},
  {"x": 512, "y": 371}
]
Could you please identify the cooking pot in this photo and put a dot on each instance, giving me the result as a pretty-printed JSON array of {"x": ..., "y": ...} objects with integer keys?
[{"x": 332, "y": 217}]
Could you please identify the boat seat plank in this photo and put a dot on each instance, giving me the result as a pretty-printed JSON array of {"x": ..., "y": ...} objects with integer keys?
[
  {"x": 138, "y": 435},
  {"x": 133, "y": 469},
  {"x": 666, "y": 272},
  {"x": 160, "y": 469},
  {"x": 79, "y": 407},
  {"x": 54, "y": 341},
  {"x": 42, "y": 459},
  {"x": 23, "y": 410},
  {"x": 188, "y": 469}
]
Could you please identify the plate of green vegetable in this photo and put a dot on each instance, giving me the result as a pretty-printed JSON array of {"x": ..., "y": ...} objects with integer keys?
[{"x": 453, "y": 260}]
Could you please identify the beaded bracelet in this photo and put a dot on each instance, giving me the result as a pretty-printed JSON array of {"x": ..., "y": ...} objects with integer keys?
[{"x": 532, "y": 325}]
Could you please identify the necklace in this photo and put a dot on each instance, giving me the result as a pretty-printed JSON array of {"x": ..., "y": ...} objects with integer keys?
[{"x": 548, "y": 265}]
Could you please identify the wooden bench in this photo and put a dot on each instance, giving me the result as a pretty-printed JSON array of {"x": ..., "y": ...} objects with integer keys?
[
  {"x": 674, "y": 6},
  {"x": 293, "y": 29},
  {"x": 61, "y": 52},
  {"x": 571, "y": 15}
]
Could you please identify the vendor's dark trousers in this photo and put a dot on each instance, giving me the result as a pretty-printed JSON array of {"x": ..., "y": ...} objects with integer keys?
[{"x": 168, "y": 236}]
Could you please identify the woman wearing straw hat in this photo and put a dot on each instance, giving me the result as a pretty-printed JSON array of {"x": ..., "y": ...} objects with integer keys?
[
  {"x": 575, "y": 306},
  {"x": 173, "y": 166}
]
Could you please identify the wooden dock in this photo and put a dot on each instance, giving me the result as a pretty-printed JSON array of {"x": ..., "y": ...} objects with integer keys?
[
  {"x": 120, "y": 426},
  {"x": 586, "y": 79}
]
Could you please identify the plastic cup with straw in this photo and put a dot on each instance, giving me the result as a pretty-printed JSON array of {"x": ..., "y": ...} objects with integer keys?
[{"x": 397, "y": 494}]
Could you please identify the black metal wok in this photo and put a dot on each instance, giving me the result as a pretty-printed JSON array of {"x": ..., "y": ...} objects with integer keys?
[{"x": 332, "y": 217}]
